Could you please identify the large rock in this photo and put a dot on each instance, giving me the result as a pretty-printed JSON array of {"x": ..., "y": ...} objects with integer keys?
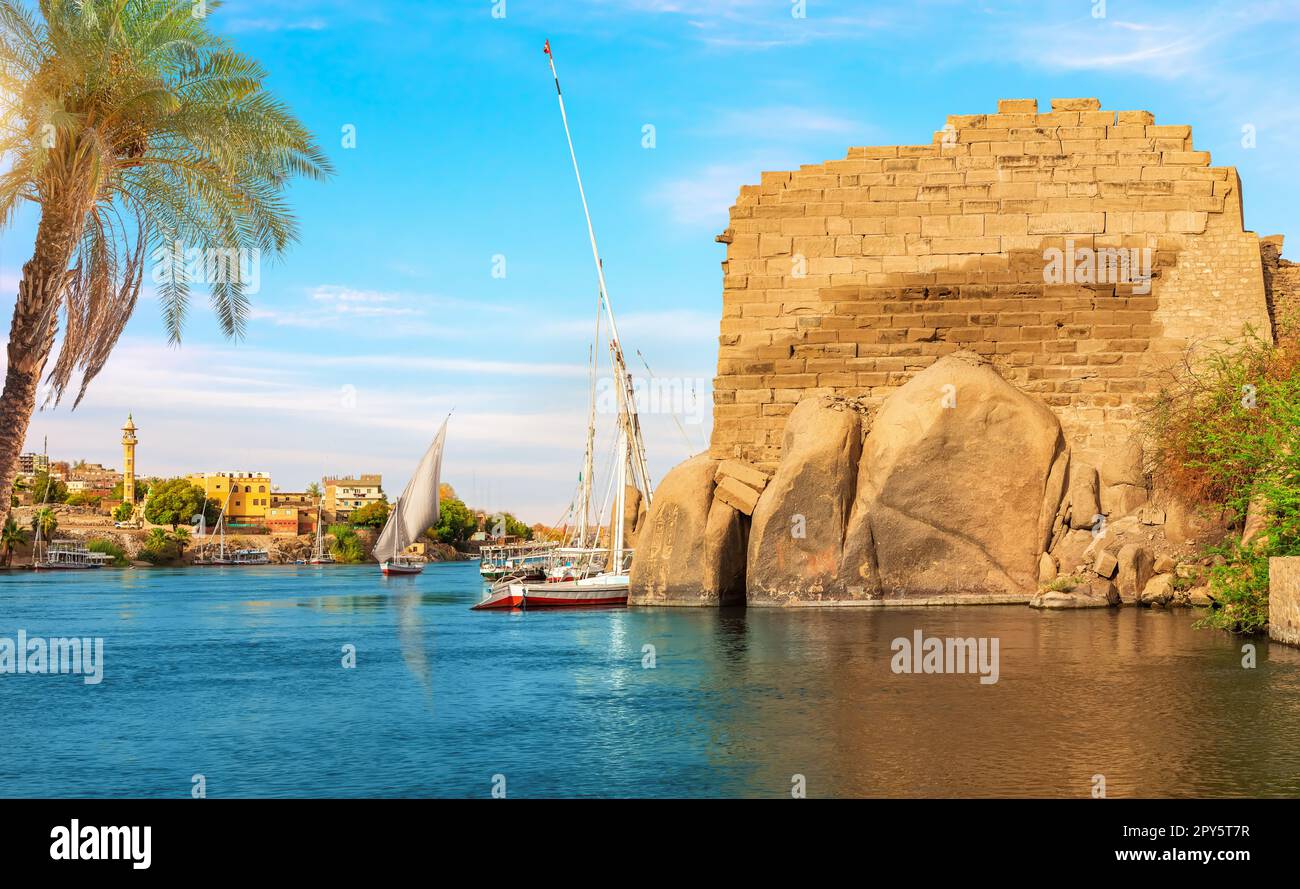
[
  {"x": 1158, "y": 592},
  {"x": 1097, "y": 594},
  {"x": 1074, "y": 549},
  {"x": 1257, "y": 521},
  {"x": 1122, "y": 500},
  {"x": 1136, "y": 567},
  {"x": 1083, "y": 496},
  {"x": 1122, "y": 465},
  {"x": 689, "y": 545},
  {"x": 1186, "y": 521},
  {"x": 634, "y": 515},
  {"x": 797, "y": 536},
  {"x": 958, "y": 474}
]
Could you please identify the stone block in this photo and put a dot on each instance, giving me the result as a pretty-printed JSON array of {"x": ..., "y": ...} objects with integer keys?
[
  {"x": 1017, "y": 106},
  {"x": 1076, "y": 104},
  {"x": 1284, "y": 599},
  {"x": 1106, "y": 564},
  {"x": 737, "y": 495}
]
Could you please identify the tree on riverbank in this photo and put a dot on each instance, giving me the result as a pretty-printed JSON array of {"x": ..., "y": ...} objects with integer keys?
[
  {"x": 456, "y": 522},
  {"x": 177, "y": 501},
  {"x": 45, "y": 522},
  {"x": 142, "y": 136},
  {"x": 48, "y": 490},
  {"x": 372, "y": 515},
  {"x": 12, "y": 537},
  {"x": 1228, "y": 435},
  {"x": 347, "y": 547}
]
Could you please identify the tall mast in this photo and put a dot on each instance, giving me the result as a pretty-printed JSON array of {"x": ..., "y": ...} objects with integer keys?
[
  {"x": 45, "y": 498},
  {"x": 584, "y": 514},
  {"x": 622, "y": 377},
  {"x": 620, "y": 501},
  {"x": 221, "y": 523}
]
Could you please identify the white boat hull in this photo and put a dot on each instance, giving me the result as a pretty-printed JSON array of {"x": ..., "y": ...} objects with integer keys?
[
  {"x": 400, "y": 568},
  {"x": 601, "y": 590}
]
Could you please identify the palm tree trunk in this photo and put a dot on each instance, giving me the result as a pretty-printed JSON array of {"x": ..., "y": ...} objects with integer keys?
[{"x": 31, "y": 337}]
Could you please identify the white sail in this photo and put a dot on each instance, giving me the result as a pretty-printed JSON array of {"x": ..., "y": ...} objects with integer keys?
[{"x": 418, "y": 508}]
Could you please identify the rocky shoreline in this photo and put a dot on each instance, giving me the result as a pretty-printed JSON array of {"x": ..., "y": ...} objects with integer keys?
[{"x": 958, "y": 489}]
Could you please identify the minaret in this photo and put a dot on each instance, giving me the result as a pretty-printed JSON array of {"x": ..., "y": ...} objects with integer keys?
[{"x": 128, "y": 461}]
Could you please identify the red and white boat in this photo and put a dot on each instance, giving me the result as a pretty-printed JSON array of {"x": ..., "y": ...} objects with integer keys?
[
  {"x": 598, "y": 590},
  {"x": 415, "y": 512}
]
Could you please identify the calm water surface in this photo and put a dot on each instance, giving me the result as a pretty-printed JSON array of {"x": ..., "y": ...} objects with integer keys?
[{"x": 236, "y": 674}]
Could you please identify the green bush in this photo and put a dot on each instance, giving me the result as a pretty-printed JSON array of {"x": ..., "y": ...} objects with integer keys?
[
  {"x": 347, "y": 547},
  {"x": 372, "y": 515},
  {"x": 1064, "y": 584},
  {"x": 108, "y": 547},
  {"x": 1228, "y": 434}
]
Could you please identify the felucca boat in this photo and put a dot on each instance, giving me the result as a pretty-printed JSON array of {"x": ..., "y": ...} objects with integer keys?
[
  {"x": 589, "y": 575},
  {"x": 415, "y": 512}
]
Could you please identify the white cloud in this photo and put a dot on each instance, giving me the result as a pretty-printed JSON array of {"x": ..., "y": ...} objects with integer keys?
[
  {"x": 703, "y": 197},
  {"x": 783, "y": 122}
]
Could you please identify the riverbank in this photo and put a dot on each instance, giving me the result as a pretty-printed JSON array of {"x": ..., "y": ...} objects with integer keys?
[{"x": 84, "y": 526}]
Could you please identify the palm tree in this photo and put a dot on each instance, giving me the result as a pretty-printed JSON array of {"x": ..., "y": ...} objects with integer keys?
[
  {"x": 139, "y": 132},
  {"x": 180, "y": 537},
  {"x": 314, "y": 490},
  {"x": 12, "y": 536},
  {"x": 46, "y": 522}
]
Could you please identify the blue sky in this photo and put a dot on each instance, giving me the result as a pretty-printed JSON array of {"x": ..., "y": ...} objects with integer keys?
[{"x": 387, "y": 314}]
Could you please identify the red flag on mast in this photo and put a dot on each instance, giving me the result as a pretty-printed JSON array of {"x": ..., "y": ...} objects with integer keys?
[{"x": 547, "y": 48}]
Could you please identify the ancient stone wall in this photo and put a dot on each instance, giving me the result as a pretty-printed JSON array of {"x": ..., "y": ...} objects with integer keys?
[
  {"x": 1282, "y": 286},
  {"x": 848, "y": 277}
]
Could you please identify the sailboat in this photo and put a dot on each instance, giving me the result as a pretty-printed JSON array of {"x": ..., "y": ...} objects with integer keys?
[
  {"x": 415, "y": 512},
  {"x": 231, "y": 557},
  {"x": 320, "y": 555},
  {"x": 589, "y": 575}
]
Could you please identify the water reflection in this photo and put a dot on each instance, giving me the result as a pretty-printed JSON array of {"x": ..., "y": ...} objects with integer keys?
[{"x": 733, "y": 702}]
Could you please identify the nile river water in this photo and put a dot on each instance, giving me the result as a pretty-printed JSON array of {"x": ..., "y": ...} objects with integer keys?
[{"x": 237, "y": 675}]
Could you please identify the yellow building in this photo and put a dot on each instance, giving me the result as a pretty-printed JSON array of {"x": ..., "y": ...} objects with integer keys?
[
  {"x": 245, "y": 495},
  {"x": 128, "y": 460}
]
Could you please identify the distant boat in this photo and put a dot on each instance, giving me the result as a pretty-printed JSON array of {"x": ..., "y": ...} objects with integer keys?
[
  {"x": 515, "y": 559},
  {"x": 70, "y": 554},
  {"x": 586, "y": 574},
  {"x": 223, "y": 556},
  {"x": 415, "y": 512}
]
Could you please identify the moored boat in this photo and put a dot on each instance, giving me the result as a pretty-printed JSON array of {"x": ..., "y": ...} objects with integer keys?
[
  {"x": 528, "y": 559},
  {"x": 221, "y": 556},
  {"x": 320, "y": 555},
  {"x": 594, "y": 591},
  {"x": 63, "y": 555},
  {"x": 584, "y": 574}
]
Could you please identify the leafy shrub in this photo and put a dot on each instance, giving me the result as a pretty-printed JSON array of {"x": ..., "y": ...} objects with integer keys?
[
  {"x": 110, "y": 548},
  {"x": 1064, "y": 584},
  {"x": 1228, "y": 434},
  {"x": 347, "y": 547}
]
